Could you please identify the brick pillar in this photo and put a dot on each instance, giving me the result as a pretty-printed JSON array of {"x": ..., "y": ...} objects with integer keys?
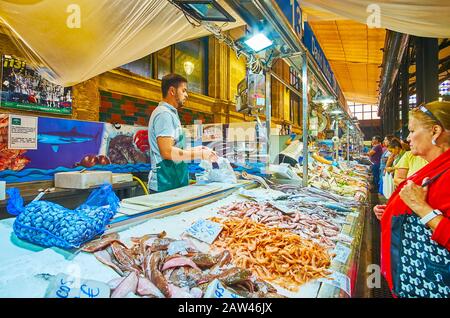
[{"x": 86, "y": 100}]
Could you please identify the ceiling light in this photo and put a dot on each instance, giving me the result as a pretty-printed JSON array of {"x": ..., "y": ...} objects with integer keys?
[
  {"x": 258, "y": 42},
  {"x": 204, "y": 10},
  {"x": 188, "y": 67}
]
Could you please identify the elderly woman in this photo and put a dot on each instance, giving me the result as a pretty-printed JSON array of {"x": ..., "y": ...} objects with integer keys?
[{"x": 415, "y": 222}]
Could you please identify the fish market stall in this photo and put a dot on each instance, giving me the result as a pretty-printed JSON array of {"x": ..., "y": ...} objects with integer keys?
[
  {"x": 27, "y": 268},
  {"x": 340, "y": 195},
  {"x": 156, "y": 255}
]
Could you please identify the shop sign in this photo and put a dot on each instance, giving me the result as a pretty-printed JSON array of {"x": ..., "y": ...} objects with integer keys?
[
  {"x": 313, "y": 46},
  {"x": 293, "y": 13},
  {"x": 23, "y": 87}
]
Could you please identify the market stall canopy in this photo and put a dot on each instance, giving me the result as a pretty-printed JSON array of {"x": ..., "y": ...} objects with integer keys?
[
  {"x": 355, "y": 55},
  {"x": 73, "y": 41},
  {"x": 430, "y": 18}
]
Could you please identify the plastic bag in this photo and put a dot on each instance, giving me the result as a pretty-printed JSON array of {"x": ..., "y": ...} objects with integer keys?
[
  {"x": 224, "y": 173},
  {"x": 388, "y": 185},
  {"x": 49, "y": 224}
]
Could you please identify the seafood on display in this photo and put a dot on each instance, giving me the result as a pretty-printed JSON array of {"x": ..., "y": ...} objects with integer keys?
[
  {"x": 340, "y": 184},
  {"x": 263, "y": 182},
  {"x": 156, "y": 266},
  {"x": 11, "y": 159},
  {"x": 273, "y": 254},
  {"x": 340, "y": 181},
  {"x": 314, "y": 192},
  {"x": 320, "y": 228}
]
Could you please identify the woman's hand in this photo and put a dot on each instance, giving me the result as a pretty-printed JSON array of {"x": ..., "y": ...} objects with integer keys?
[
  {"x": 415, "y": 197},
  {"x": 379, "y": 210},
  {"x": 390, "y": 169}
]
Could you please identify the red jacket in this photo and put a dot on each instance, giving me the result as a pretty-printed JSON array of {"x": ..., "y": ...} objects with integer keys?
[{"x": 438, "y": 198}]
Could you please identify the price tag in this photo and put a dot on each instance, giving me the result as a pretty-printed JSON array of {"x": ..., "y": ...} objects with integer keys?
[
  {"x": 65, "y": 286},
  {"x": 342, "y": 253},
  {"x": 205, "y": 230},
  {"x": 338, "y": 280},
  {"x": 217, "y": 290},
  {"x": 345, "y": 238}
]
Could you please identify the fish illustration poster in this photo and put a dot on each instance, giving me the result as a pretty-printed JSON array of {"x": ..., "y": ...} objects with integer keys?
[{"x": 66, "y": 145}]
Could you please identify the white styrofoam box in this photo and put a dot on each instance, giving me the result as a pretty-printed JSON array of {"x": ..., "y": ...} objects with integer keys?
[
  {"x": 122, "y": 177},
  {"x": 82, "y": 180}
]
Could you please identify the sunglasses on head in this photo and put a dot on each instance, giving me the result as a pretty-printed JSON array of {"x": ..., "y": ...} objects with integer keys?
[{"x": 425, "y": 110}]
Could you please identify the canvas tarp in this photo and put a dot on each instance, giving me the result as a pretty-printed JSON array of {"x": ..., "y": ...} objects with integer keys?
[{"x": 73, "y": 41}]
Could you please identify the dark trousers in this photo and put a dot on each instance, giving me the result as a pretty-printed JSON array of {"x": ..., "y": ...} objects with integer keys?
[{"x": 376, "y": 175}]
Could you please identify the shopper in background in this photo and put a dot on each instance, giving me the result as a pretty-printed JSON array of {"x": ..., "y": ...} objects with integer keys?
[
  {"x": 384, "y": 158},
  {"x": 397, "y": 152},
  {"x": 415, "y": 222},
  {"x": 167, "y": 141},
  {"x": 375, "y": 157},
  {"x": 407, "y": 166},
  {"x": 405, "y": 145}
]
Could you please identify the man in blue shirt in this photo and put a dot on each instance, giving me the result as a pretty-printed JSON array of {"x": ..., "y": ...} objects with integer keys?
[{"x": 167, "y": 141}]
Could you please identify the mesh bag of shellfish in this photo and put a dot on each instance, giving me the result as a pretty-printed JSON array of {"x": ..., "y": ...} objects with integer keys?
[{"x": 49, "y": 224}]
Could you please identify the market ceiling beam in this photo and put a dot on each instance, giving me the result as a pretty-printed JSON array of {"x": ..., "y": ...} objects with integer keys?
[{"x": 354, "y": 52}]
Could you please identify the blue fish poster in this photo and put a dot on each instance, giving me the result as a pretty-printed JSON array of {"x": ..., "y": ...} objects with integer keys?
[
  {"x": 67, "y": 145},
  {"x": 61, "y": 142}
]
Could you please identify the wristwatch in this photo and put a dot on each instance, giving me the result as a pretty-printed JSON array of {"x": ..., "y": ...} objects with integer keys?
[{"x": 427, "y": 218}]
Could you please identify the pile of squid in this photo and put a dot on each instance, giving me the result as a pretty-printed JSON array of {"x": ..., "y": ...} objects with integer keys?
[
  {"x": 160, "y": 267},
  {"x": 314, "y": 226}
]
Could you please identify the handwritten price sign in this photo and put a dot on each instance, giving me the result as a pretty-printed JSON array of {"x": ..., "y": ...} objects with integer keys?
[
  {"x": 342, "y": 253},
  {"x": 338, "y": 280},
  {"x": 65, "y": 286},
  {"x": 205, "y": 230},
  {"x": 217, "y": 290}
]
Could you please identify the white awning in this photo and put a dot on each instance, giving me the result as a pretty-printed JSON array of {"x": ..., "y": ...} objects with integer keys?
[{"x": 77, "y": 40}]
